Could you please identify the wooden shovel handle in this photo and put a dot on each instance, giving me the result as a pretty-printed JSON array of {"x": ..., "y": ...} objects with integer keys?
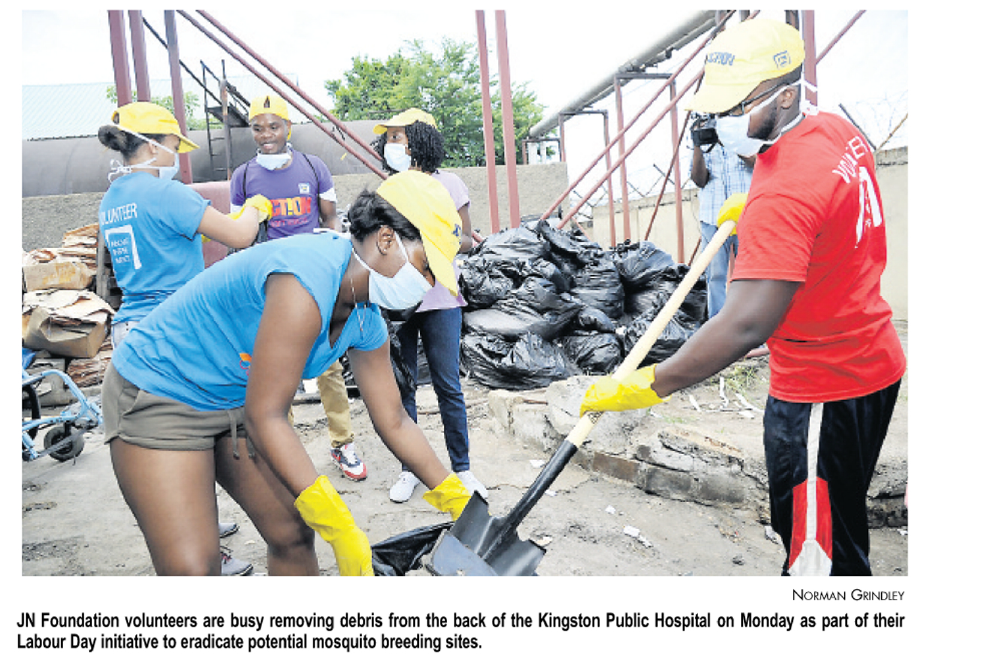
[{"x": 640, "y": 350}]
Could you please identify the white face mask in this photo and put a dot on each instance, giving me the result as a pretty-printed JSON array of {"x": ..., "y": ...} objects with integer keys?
[
  {"x": 273, "y": 161},
  {"x": 402, "y": 291},
  {"x": 397, "y": 157},
  {"x": 732, "y": 131},
  {"x": 168, "y": 173}
]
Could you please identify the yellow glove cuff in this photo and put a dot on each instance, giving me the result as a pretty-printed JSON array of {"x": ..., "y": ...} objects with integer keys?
[
  {"x": 449, "y": 497},
  {"x": 322, "y": 508},
  {"x": 260, "y": 204},
  {"x": 631, "y": 393},
  {"x": 732, "y": 209}
]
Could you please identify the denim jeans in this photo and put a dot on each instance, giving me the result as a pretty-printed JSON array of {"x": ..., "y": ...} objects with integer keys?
[
  {"x": 716, "y": 271},
  {"x": 441, "y": 333}
]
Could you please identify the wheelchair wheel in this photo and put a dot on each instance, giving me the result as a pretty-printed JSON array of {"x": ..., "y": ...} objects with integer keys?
[{"x": 73, "y": 443}]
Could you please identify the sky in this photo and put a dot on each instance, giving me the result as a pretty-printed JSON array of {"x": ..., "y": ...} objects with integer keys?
[{"x": 557, "y": 52}]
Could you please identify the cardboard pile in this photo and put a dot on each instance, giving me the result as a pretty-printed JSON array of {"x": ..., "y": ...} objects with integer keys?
[
  {"x": 71, "y": 267},
  {"x": 59, "y": 313}
]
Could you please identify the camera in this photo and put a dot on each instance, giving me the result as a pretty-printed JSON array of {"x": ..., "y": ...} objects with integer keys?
[{"x": 703, "y": 131}]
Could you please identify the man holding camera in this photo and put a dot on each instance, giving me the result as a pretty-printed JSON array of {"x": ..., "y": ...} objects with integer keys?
[{"x": 719, "y": 173}]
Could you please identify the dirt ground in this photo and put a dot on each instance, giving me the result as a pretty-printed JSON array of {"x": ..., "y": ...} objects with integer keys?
[{"x": 74, "y": 521}]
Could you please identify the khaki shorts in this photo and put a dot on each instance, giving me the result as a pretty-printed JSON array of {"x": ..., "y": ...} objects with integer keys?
[{"x": 150, "y": 421}]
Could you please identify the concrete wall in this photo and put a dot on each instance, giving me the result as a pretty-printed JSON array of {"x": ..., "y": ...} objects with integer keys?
[{"x": 892, "y": 169}]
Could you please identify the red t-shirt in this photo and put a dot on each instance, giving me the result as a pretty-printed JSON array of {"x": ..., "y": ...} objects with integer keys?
[{"x": 814, "y": 216}]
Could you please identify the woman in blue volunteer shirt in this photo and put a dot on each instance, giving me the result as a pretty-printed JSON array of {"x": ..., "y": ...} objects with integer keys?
[
  {"x": 200, "y": 391},
  {"x": 151, "y": 224}
]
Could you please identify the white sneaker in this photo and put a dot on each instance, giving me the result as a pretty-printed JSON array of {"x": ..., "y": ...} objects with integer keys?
[
  {"x": 472, "y": 484},
  {"x": 403, "y": 489}
]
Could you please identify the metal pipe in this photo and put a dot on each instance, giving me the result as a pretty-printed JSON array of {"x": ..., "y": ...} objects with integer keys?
[
  {"x": 506, "y": 105},
  {"x": 340, "y": 126},
  {"x": 623, "y": 131},
  {"x": 118, "y": 54},
  {"x": 487, "y": 121},
  {"x": 679, "y": 226},
  {"x": 140, "y": 55},
  {"x": 678, "y": 37},
  {"x": 622, "y": 145},
  {"x": 636, "y": 143},
  {"x": 843, "y": 31},
  {"x": 809, "y": 38},
  {"x": 178, "y": 99}
]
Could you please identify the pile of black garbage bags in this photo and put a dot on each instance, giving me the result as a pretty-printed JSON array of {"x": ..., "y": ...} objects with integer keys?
[{"x": 544, "y": 305}]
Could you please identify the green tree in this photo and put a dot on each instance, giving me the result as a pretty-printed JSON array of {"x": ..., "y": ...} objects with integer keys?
[{"x": 446, "y": 85}]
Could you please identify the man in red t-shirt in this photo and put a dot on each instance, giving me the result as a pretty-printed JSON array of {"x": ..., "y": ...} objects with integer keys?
[{"x": 806, "y": 280}]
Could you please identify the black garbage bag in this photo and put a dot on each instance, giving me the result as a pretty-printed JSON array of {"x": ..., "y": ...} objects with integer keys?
[
  {"x": 593, "y": 320},
  {"x": 593, "y": 352},
  {"x": 400, "y": 554},
  {"x": 641, "y": 264},
  {"x": 515, "y": 243},
  {"x": 676, "y": 332},
  {"x": 538, "y": 303},
  {"x": 598, "y": 285},
  {"x": 528, "y": 363},
  {"x": 484, "y": 281},
  {"x": 649, "y": 300},
  {"x": 405, "y": 380},
  {"x": 547, "y": 270},
  {"x": 535, "y": 307}
]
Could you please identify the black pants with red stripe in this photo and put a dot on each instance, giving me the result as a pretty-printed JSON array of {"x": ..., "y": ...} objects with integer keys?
[{"x": 823, "y": 519}]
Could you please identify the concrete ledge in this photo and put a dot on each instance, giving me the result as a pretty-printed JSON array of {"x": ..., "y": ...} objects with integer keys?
[{"x": 674, "y": 461}]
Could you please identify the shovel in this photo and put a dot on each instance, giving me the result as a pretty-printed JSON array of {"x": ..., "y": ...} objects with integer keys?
[{"x": 479, "y": 544}]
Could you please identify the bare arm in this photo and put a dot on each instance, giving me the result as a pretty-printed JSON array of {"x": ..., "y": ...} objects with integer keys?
[
  {"x": 751, "y": 314},
  {"x": 374, "y": 375},
  {"x": 467, "y": 242},
  {"x": 290, "y": 324},
  {"x": 329, "y": 214},
  {"x": 233, "y": 232}
]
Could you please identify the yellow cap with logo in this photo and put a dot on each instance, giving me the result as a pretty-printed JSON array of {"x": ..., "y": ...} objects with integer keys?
[
  {"x": 426, "y": 203},
  {"x": 743, "y": 56},
  {"x": 269, "y": 104},
  {"x": 148, "y": 118},
  {"x": 405, "y": 118}
]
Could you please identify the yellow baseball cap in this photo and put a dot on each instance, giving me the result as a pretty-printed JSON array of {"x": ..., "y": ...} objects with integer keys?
[
  {"x": 426, "y": 203},
  {"x": 405, "y": 118},
  {"x": 269, "y": 104},
  {"x": 148, "y": 118},
  {"x": 743, "y": 56}
]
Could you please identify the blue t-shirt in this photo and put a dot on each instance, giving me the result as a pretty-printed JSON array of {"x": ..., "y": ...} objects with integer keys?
[
  {"x": 197, "y": 346},
  {"x": 294, "y": 192},
  {"x": 150, "y": 228}
]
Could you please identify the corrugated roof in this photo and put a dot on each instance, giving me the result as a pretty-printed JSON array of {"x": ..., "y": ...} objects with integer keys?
[{"x": 59, "y": 111}]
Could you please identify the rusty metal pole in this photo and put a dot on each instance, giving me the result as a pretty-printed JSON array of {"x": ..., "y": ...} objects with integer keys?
[
  {"x": 679, "y": 224},
  {"x": 509, "y": 132},
  {"x": 809, "y": 37},
  {"x": 621, "y": 148},
  {"x": 118, "y": 54},
  {"x": 178, "y": 99},
  {"x": 487, "y": 121},
  {"x": 609, "y": 184},
  {"x": 140, "y": 56}
]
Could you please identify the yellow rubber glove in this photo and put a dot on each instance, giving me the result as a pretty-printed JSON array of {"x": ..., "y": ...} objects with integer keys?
[
  {"x": 325, "y": 512},
  {"x": 732, "y": 209},
  {"x": 634, "y": 391},
  {"x": 258, "y": 202},
  {"x": 449, "y": 497}
]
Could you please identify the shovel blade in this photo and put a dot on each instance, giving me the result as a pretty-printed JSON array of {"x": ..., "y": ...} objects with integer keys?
[{"x": 479, "y": 544}]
